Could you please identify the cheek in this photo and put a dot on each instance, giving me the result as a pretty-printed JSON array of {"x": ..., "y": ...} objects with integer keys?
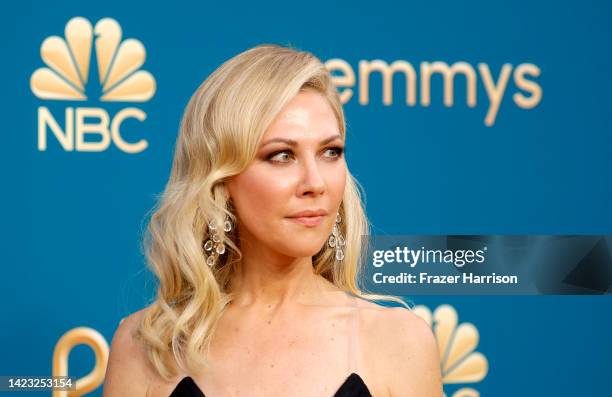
[
  {"x": 258, "y": 197},
  {"x": 337, "y": 184},
  {"x": 262, "y": 198}
]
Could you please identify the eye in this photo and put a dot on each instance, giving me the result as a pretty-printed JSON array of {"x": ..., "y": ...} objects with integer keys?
[
  {"x": 337, "y": 150},
  {"x": 281, "y": 156}
]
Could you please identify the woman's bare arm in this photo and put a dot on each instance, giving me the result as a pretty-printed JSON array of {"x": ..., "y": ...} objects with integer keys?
[
  {"x": 414, "y": 360},
  {"x": 126, "y": 373}
]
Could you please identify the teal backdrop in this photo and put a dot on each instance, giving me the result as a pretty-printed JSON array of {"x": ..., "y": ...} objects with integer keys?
[{"x": 73, "y": 219}]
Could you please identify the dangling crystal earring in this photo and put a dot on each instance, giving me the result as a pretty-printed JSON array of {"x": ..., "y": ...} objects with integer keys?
[
  {"x": 214, "y": 246},
  {"x": 336, "y": 240}
]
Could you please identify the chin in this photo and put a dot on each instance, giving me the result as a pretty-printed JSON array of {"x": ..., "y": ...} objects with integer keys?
[{"x": 301, "y": 248}]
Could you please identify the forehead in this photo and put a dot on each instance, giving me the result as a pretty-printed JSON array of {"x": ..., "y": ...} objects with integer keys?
[{"x": 308, "y": 113}]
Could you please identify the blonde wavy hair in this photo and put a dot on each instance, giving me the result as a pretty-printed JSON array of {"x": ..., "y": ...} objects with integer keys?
[{"x": 220, "y": 132}]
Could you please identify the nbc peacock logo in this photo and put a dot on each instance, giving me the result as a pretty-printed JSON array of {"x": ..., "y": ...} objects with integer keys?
[
  {"x": 457, "y": 343},
  {"x": 66, "y": 77}
]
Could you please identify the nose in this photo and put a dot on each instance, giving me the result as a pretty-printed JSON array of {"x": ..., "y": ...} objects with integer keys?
[{"x": 312, "y": 182}]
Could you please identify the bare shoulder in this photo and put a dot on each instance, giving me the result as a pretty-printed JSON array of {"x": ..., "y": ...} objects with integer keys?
[
  {"x": 404, "y": 348},
  {"x": 127, "y": 372}
]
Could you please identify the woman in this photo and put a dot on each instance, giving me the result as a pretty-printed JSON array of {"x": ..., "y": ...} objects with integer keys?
[{"x": 256, "y": 244}]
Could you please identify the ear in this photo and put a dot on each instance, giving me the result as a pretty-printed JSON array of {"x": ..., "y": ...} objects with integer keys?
[
  {"x": 227, "y": 190},
  {"x": 228, "y": 195}
]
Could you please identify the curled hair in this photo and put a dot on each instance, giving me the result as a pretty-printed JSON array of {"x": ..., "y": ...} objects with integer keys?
[{"x": 220, "y": 132}]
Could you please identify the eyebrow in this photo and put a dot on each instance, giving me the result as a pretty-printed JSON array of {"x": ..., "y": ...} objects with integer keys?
[{"x": 291, "y": 142}]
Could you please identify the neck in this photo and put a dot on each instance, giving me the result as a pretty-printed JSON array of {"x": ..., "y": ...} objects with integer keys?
[
  {"x": 263, "y": 282},
  {"x": 271, "y": 279}
]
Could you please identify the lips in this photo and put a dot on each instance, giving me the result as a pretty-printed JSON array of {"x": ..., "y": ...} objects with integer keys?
[
  {"x": 309, "y": 212},
  {"x": 311, "y": 217},
  {"x": 308, "y": 220}
]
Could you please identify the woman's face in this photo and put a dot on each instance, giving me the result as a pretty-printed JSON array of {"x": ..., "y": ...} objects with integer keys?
[{"x": 299, "y": 166}]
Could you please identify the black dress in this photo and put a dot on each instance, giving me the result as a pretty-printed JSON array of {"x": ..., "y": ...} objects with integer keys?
[{"x": 353, "y": 386}]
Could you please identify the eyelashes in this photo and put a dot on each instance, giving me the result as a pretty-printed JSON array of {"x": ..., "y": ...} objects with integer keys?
[{"x": 339, "y": 151}]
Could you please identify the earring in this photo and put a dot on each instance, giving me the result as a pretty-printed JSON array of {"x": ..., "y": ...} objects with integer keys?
[
  {"x": 336, "y": 240},
  {"x": 215, "y": 246}
]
